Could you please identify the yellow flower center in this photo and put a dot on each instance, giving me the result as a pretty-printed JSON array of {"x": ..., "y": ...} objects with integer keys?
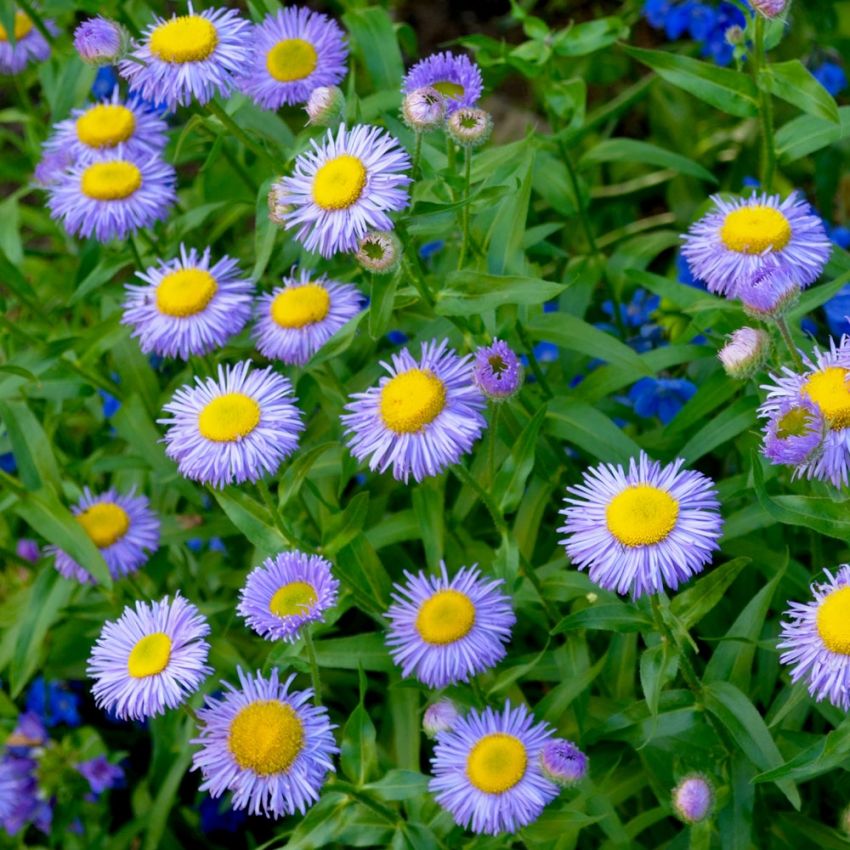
[
  {"x": 496, "y": 763},
  {"x": 641, "y": 515},
  {"x": 104, "y": 522},
  {"x": 829, "y": 390},
  {"x": 295, "y": 598},
  {"x": 446, "y": 617},
  {"x": 339, "y": 182},
  {"x": 754, "y": 230},
  {"x": 795, "y": 423},
  {"x": 111, "y": 181},
  {"x": 23, "y": 25},
  {"x": 189, "y": 38},
  {"x": 291, "y": 59},
  {"x": 149, "y": 656},
  {"x": 411, "y": 400},
  {"x": 298, "y": 306},
  {"x": 448, "y": 89},
  {"x": 185, "y": 292},
  {"x": 266, "y": 737},
  {"x": 229, "y": 417},
  {"x": 106, "y": 125},
  {"x": 834, "y": 621}
]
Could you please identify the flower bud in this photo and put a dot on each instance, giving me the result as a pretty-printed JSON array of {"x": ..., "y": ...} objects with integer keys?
[
  {"x": 770, "y": 294},
  {"x": 277, "y": 208},
  {"x": 470, "y": 126},
  {"x": 735, "y": 35},
  {"x": 769, "y": 8},
  {"x": 497, "y": 371},
  {"x": 28, "y": 550},
  {"x": 325, "y": 106},
  {"x": 439, "y": 717},
  {"x": 379, "y": 252},
  {"x": 693, "y": 798},
  {"x": 423, "y": 109},
  {"x": 101, "y": 41},
  {"x": 745, "y": 353},
  {"x": 563, "y": 762}
]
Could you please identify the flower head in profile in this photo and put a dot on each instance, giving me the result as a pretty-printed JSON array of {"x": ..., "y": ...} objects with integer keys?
[
  {"x": 343, "y": 188},
  {"x": 266, "y": 744},
  {"x": 745, "y": 353},
  {"x": 769, "y": 8},
  {"x": 287, "y": 593},
  {"x": 121, "y": 525},
  {"x": 293, "y": 52},
  {"x": 233, "y": 428},
  {"x": 487, "y": 770},
  {"x": 151, "y": 659},
  {"x": 641, "y": 529},
  {"x": 444, "y": 631},
  {"x": 100, "y": 41},
  {"x": 794, "y": 434},
  {"x": 469, "y": 126},
  {"x": 190, "y": 305},
  {"x": 693, "y": 798},
  {"x": 440, "y": 716},
  {"x": 422, "y": 418},
  {"x": 739, "y": 238},
  {"x": 30, "y": 45},
  {"x": 186, "y": 57},
  {"x": 563, "y": 762},
  {"x": 325, "y": 106},
  {"x": 497, "y": 371},
  {"x": 423, "y": 109},
  {"x": 770, "y": 293},
  {"x": 455, "y": 76}
]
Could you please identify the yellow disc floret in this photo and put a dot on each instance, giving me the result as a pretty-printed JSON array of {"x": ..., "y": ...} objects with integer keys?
[
  {"x": 229, "y": 417},
  {"x": 149, "y": 656},
  {"x": 291, "y": 59},
  {"x": 189, "y": 38},
  {"x": 110, "y": 181},
  {"x": 830, "y": 391},
  {"x": 299, "y": 306},
  {"x": 105, "y": 523},
  {"x": 266, "y": 737},
  {"x": 185, "y": 292},
  {"x": 339, "y": 182},
  {"x": 411, "y": 400},
  {"x": 496, "y": 763},
  {"x": 445, "y": 617},
  {"x": 641, "y": 515},
  {"x": 23, "y": 26},
  {"x": 106, "y": 125},
  {"x": 295, "y": 598},
  {"x": 756, "y": 229},
  {"x": 833, "y": 621}
]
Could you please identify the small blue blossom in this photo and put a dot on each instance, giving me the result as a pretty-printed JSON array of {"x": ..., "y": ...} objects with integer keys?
[
  {"x": 751, "y": 183},
  {"x": 837, "y": 310},
  {"x": 110, "y": 404},
  {"x": 397, "y": 337},
  {"x": 840, "y": 235},
  {"x": 215, "y": 544},
  {"x": 551, "y": 306},
  {"x": 683, "y": 271},
  {"x": 430, "y": 248},
  {"x": 546, "y": 352},
  {"x": 104, "y": 82},
  {"x": 661, "y": 397},
  {"x": 8, "y": 463},
  {"x": 101, "y": 775},
  {"x": 195, "y": 544},
  {"x": 832, "y": 77},
  {"x": 636, "y": 313},
  {"x": 53, "y": 703}
]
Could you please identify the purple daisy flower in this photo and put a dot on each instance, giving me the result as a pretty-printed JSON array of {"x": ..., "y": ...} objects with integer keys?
[
  {"x": 344, "y": 188},
  {"x": 286, "y": 593},
  {"x": 150, "y": 659},
  {"x": 444, "y": 631},
  {"x": 422, "y": 418},
  {"x": 740, "y": 237},
  {"x": 122, "y": 526},
  {"x": 636, "y": 531},
  {"x": 295, "y": 320},
  {"x": 190, "y": 56},
  {"x": 235, "y": 428},
  {"x": 440, "y": 716},
  {"x": 817, "y": 640},
  {"x": 30, "y": 45},
  {"x": 294, "y": 52},
  {"x": 100, "y": 41},
  {"x": 497, "y": 371},
  {"x": 745, "y": 353},
  {"x": 113, "y": 196},
  {"x": 794, "y": 434},
  {"x": 102, "y": 127},
  {"x": 266, "y": 744},
  {"x": 487, "y": 771},
  {"x": 824, "y": 383},
  {"x": 693, "y": 798},
  {"x": 563, "y": 762},
  {"x": 455, "y": 76},
  {"x": 190, "y": 305}
]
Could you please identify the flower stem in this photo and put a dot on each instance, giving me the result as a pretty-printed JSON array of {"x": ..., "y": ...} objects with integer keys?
[
  {"x": 363, "y": 797},
  {"x": 277, "y": 519},
  {"x": 491, "y": 444},
  {"x": 789, "y": 342},
  {"x": 768, "y": 153},
  {"x": 417, "y": 153},
  {"x": 216, "y": 109},
  {"x": 467, "y": 179},
  {"x": 314, "y": 666}
]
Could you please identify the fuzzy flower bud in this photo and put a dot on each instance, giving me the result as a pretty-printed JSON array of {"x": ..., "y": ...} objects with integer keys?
[
  {"x": 439, "y": 717},
  {"x": 277, "y": 209},
  {"x": 101, "y": 41},
  {"x": 693, "y": 798},
  {"x": 497, "y": 371},
  {"x": 28, "y": 550},
  {"x": 769, "y": 8},
  {"x": 325, "y": 106},
  {"x": 770, "y": 295},
  {"x": 379, "y": 252},
  {"x": 745, "y": 353},
  {"x": 470, "y": 126},
  {"x": 563, "y": 762},
  {"x": 423, "y": 109}
]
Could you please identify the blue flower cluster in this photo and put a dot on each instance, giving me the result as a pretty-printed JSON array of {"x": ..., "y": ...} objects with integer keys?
[{"x": 832, "y": 77}]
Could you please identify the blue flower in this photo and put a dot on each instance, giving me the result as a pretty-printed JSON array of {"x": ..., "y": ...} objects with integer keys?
[
  {"x": 683, "y": 271},
  {"x": 53, "y": 703},
  {"x": 397, "y": 337},
  {"x": 840, "y": 235},
  {"x": 110, "y": 404},
  {"x": 104, "y": 82},
  {"x": 218, "y": 816},
  {"x": 661, "y": 397},
  {"x": 546, "y": 352},
  {"x": 832, "y": 77},
  {"x": 837, "y": 310},
  {"x": 431, "y": 248},
  {"x": 8, "y": 463},
  {"x": 636, "y": 313},
  {"x": 656, "y": 12}
]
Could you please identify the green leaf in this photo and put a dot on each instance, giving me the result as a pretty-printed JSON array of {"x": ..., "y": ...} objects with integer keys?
[
  {"x": 509, "y": 487},
  {"x": 470, "y": 293},
  {"x": 358, "y": 753},
  {"x": 381, "y": 301},
  {"x": 374, "y": 43},
  {"x": 589, "y": 429},
  {"x": 504, "y": 240},
  {"x": 429, "y": 510},
  {"x": 349, "y": 653},
  {"x": 631, "y": 150},
  {"x": 794, "y": 83},
  {"x": 400, "y": 785},
  {"x": 588, "y": 37},
  {"x": 252, "y": 519},
  {"x": 606, "y": 616},
  {"x": 691, "y": 605},
  {"x": 830, "y": 752},
  {"x": 345, "y": 526},
  {"x": 805, "y": 135},
  {"x": 658, "y": 665},
  {"x": 734, "y": 420},
  {"x": 31, "y": 446},
  {"x": 265, "y": 232}
]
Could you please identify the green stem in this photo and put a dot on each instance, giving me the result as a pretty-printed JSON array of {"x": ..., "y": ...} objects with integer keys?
[
  {"x": 467, "y": 179},
  {"x": 417, "y": 153},
  {"x": 465, "y": 477},
  {"x": 314, "y": 666},
  {"x": 419, "y": 282},
  {"x": 266, "y": 496},
  {"x": 363, "y": 797},
  {"x": 768, "y": 152},
  {"x": 134, "y": 249},
  {"x": 191, "y": 712},
  {"x": 451, "y": 155},
  {"x": 37, "y": 20},
  {"x": 478, "y": 692},
  {"x": 491, "y": 443},
  {"x": 789, "y": 342},
  {"x": 219, "y": 112},
  {"x": 688, "y": 672}
]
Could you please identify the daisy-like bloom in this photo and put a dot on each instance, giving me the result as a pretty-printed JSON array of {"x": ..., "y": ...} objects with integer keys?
[
  {"x": 286, "y": 593},
  {"x": 379, "y": 252},
  {"x": 268, "y": 745},
  {"x": 100, "y": 41},
  {"x": 640, "y": 529},
  {"x": 816, "y": 641},
  {"x": 30, "y": 45},
  {"x": 188, "y": 305},
  {"x": 740, "y": 237},
  {"x": 102, "y": 127},
  {"x": 497, "y": 371},
  {"x": 769, "y": 8},
  {"x": 563, "y": 762},
  {"x": 122, "y": 526},
  {"x": 824, "y": 383},
  {"x": 421, "y": 419},
  {"x": 150, "y": 659},
  {"x": 113, "y": 196},
  {"x": 487, "y": 771},
  {"x": 325, "y": 106},
  {"x": 345, "y": 187},
  {"x": 769, "y": 295},
  {"x": 455, "y": 76},
  {"x": 235, "y": 428},
  {"x": 693, "y": 798},
  {"x": 295, "y": 320},
  {"x": 794, "y": 433},
  {"x": 444, "y": 631},
  {"x": 440, "y": 716},
  {"x": 470, "y": 127},
  {"x": 423, "y": 109},
  {"x": 745, "y": 353},
  {"x": 294, "y": 52},
  {"x": 189, "y": 56}
]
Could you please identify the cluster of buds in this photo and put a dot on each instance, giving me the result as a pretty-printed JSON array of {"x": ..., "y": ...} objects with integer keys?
[{"x": 425, "y": 109}]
